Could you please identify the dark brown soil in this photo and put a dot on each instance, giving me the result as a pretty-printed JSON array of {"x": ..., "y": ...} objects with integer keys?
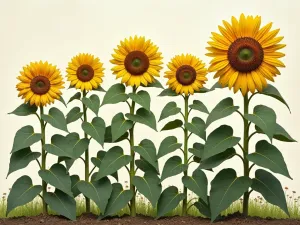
[{"x": 141, "y": 220}]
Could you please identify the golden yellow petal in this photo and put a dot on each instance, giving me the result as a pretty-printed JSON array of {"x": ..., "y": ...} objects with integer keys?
[
  {"x": 244, "y": 85},
  {"x": 235, "y": 27},
  {"x": 230, "y": 31},
  {"x": 256, "y": 26},
  {"x": 273, "y": 61},
  {"x": 274, "y": 48},
  {"x": 37, "y": 100},
  {"x": 269, "y": 36},
  {"x": 263, "y": 31},
  {"x": 220, "y": 38},
  {"x": 227, "y": 34},
  {"x": 257, "y": 80},
  {"x": 219, "y": 59},
  {"x": 125, "y": 78},
  {"x": 218, "y": 66},
  {"x": 242, "y": 25},
  {"x": 218, "y": 45},
  {"x": 274, "y": 54},
  {"x": 250, "y": 82},
  {"x": 272, "y": 42},
  {"x": 232, "y": 79}
]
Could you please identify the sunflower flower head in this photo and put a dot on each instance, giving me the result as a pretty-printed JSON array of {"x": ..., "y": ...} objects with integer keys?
[
  {"x": 186, "y": 74},
  {"x": 137, "y": 61},
  {"x": 245, "y": 54},
  {"x": 85, "y": 72},
  {"x": 40, "y": 83}
]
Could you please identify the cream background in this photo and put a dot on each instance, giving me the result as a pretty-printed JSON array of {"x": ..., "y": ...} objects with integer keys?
[{"x": 56, "y": 30}]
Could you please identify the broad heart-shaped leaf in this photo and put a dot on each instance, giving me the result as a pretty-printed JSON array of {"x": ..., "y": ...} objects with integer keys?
[
  {"x": 203, "y": 207},
  {"x": 74, "y": 181},
  {"x": 21, "y": 193},
  {"x": 219, "y": 140},
  {"x": 168, "y": 200},
  {"x": 119, "y": 126},
  {"x": 24, "y": 110},
  {"x": 58, "y": 177},
  {"x": 223, "y": 109},
  {"x": 173, "y": 167},
  {"x": 197, "y": 127},
  {"x": 96, "y": 129},
  {"x": 56, "y": 118},
  {"x": 61, "y": 99},
  {"x": 271, "y": 91},
  {"x": 75, "y": 96},
  {"x": 70, "y": 146},
  {"x": 115, "y": 94},
  {"x": 198, "y": 105},
  {"x": 265, "y": 118},
  {"x": 108, "y": 136},
  {"x": 113, "y": 160},
  {"x": 61, "y": 203},
  {"x": 280, "y": 134},
  {"x": 172, "y": 125},
  {"x": 68, "y": 161},
  {"x": 93, "y": 103},
  {"x": 74, "y": 115},
  {"x": 226, "y": 188},
  {"x": 197, "y": 183},
  {"x": 155, "y": 84},
  {"x": 143, "y": 165},
  {"x": 270, "y": 188},
  {"x": 147, "y": 150},
  {"x": 197, "y": 150},
  {"x": 268, "y": 156},
  {"x": 142, "y": 98},
  {"x": 168, "y": 92},
  {"x": 149, "y": 186},
  {"x": 21, "y": 159},
  {"x": 99, "y": 191},
  {"x": 170, "y": 109},
  {"x": 168, "y": 145},
  {"x": 118, "y": 200},
  {"x": 25, "y": 137},
  {"x": 216, "y": 160},
  {"x": 143, "y": 116}
]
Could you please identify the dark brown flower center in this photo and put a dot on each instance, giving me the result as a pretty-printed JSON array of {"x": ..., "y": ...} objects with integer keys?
[
  {"x": 85, "y": 73},
  {"x": 136, "y": 63},
  {"x": 40, "y": 85},
  {"x": 245, "y": 54},
  {"x": 186, "y": 75}
]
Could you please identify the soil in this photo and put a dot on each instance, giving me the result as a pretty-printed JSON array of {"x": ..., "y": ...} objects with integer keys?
[{"x": 234, "y": 219}]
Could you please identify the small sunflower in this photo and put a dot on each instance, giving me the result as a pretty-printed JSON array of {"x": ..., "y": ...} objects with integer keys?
[
  {"x": 137, "y": 61},
  {"x": 245, "y": 55},
  {"x": 85, "y": 72},
  {"x": 40, "y": 83},
  {"x": 187, "y": 74}
]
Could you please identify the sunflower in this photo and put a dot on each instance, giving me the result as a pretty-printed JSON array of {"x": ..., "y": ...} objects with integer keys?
[
  {"x": 187, "y": 74},
  {"x": 245, "y": 55},
  {"x": 85, "y": 72},
  {"x": 40, "y": 83},
  {"x": 137, "y": 61}
]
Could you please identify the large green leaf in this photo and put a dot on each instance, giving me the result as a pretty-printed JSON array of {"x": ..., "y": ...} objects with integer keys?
[
  {"x": 115, "y": 94},
  {"x": 197, "y": 150},
  {"x": 25, "y": 137},
  {"x": 265, "y": 118},
  {"x": 118, "y": 200},
  {"x": 142, "y": 98},
  {"x": 113, "y": 160},
  {"x": 96, "y": 129},
  {"x": 197, "y": 127},
  {"x": 58, "y": 177},
  {"x": 56, "y": 119},
  {"x": 271, "y": 91},
  {"x": 172, "y": 125},
  {"x": 168, "y": 145},
  {"x": 143, "y": 116},
  {"x": 270, "y": 188},
  {"x": 223, "y": 109},
  {"x": 99, "y": 191},
  {"x": 143, "y": 165},
  {"x": 149, "y": 186},
  {"x": 74, "y": 181},
  {"x": 168, "y": 92},
  {"x": 61, "y": 203},
  {"x": 198, "y": 105},
  {"x": 76, "y": 96},
  {"x": 22, "y": 192},
  {"x": 170, "y": 109},
  {"x": 61, "y": 99},
  {"x": 226, "y": 188},
  {"x": 197, "y": 183},
  {"x": 155, "y": 84},
  {"x": 120, "y": 126},
  {"x": 21, "y": 159},
  {"x": 74, "y": 115},
  {"x": 148, "y": 151},
  {"x": 216, "y": 160},
  {"x": 219, "y": 140},
  {"x": 173, "y": 167},
  {"x": 93, "y": 103},
  {"x": 168, "y": 200},
  {"x": 24, "y": 110},
  {"x": 280, "y": 134},
  {"x": 108, "y": 136},
  {"x": 268, "y": 156},
  {"x": 70, "y": 146}
]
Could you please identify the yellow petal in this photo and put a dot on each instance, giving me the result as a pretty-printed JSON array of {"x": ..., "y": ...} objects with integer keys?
[
  {"x": 256, "y": 80},
  {"x": 232, "y": 79},
  {"x": 250, "y": 82}
]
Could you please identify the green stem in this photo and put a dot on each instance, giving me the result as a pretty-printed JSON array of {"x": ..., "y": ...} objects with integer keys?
[
  {"x": 43, "y": 166},
  {"x": 87, "y": 160},
  {"x": 185, "y": 152}
]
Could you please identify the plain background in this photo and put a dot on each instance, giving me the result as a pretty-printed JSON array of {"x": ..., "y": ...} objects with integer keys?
[{"x": 57, "y": 30}]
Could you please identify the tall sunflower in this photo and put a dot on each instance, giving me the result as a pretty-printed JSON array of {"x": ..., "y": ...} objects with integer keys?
[
  {"x": 137, "y": 61},
  {"x": 85, "y": 72},
  {"x": 187, "y": 74},
  {"x": 245, "y": 55},
  {"x": 40, "y": 83}
]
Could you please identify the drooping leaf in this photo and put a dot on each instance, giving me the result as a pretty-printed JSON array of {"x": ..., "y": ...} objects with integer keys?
[
  {"x": 24, "y": 110},
  {"x": 142, "y": 98},
  {"x": 74, "y": 115},
  {"x": 56, "y": 119},
  {"x": 198, "y": 105},
  {"x": 173, "y": 167},
  {"x": 115, "y": 94},
  {"x": 168, "y": 92},
  {"x": 197, "y": 150},
  {"x": 155, "y": 84},
  {"x": 197, "y": 127},
  {"x": 76, "y": 96},
  {"x": 93, "y": 103},
  {"x": 61, "y": 99},
  {"x": 119, "y": 126},
  {"x": 216, "y": 160},
  {"x": 172, "y": 125},
  {"x": 170, "y": 109},
  {"x": 168, "y": 145},
  {"x": 271, "y": 91},
  {"x": 108, "y": 136},
  {"x": 204, "y": 208},
  {"x": 96, "y": 129},
  {"x": 143, "y": 116},
  {"x": 74, "y": 188},
  {"x": 143, "y": 165},
  {"x": 280, "y": 134},
  {"x": 147, "y": 150}
]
